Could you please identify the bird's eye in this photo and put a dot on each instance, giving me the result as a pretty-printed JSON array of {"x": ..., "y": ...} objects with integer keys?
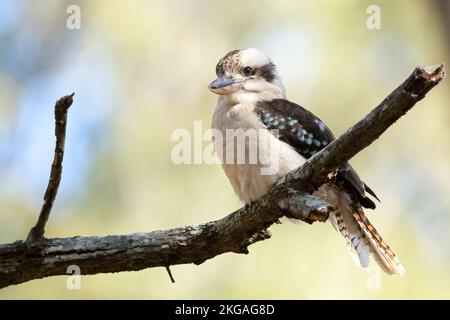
[{"x": 247, "y": 71}]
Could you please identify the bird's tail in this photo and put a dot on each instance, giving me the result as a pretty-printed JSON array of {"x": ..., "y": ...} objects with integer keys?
[
  {"x": 362, "y": 238},
  {"x": 380, "y": 250}
]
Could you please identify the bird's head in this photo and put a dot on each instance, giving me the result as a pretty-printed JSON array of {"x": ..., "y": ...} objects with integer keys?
[{"x": 247, "y": 76}]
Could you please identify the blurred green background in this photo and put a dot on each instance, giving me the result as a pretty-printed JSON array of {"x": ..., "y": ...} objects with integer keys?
[{"x": 140, "y": 70}]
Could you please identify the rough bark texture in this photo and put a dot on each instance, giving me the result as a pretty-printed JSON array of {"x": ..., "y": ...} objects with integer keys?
[{"x": 235, "y": 232}]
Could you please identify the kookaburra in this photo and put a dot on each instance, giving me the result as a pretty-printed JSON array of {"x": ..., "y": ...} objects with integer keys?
[{"x": 252, "y": 97}]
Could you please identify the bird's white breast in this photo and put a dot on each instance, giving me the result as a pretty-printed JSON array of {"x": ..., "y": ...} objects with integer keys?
[{"x": 251, "y": 181}]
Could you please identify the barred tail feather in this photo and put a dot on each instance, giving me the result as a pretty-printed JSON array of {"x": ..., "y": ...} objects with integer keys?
[
  {"x": 380, "y": 251},
  {"x": 356, "y": 245},
  {"x": 360, "y": 235}
]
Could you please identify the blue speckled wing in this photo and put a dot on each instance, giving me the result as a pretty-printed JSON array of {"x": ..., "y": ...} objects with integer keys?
[
  {"x": 307, "y": 134},
  {"x": 296, "y": 126}
]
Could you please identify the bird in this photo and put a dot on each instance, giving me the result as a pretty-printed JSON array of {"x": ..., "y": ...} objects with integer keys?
[{"x": 252, "y": 97}]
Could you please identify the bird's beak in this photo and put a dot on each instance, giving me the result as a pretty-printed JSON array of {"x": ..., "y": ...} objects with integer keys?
[{"x": 225, "y": 85}]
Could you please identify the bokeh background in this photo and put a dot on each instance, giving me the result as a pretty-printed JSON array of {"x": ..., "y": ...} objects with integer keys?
[{"x": 140, "y": 70}]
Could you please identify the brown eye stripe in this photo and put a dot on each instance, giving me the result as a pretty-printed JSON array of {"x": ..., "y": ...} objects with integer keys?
[
  {"x": 232, "y": 64},
  {"x": 267, "y": 72}
]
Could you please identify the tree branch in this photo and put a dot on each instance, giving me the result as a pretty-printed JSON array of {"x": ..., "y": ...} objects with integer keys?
[
  {"x": 233, "y": 233},
  {"x": 36, "y": 234}
]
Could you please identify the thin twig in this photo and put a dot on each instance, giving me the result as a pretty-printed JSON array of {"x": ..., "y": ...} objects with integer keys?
[
  {"x": 36, "y": 233},
  {"x": 172, "y": 279}
]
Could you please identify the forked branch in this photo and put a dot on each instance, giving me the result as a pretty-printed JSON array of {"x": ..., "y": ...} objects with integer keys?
[{"x": 233, "y": 233}]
